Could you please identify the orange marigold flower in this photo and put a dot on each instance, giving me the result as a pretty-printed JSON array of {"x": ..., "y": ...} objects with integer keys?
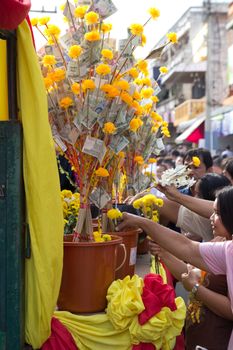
[
  {"x": 75, "y": 87},
  {"x": 155, "y": 99},
  {"x": 75, "y": 51},
  {"x": 154, "y": 12},
  {"x": 121, "y": 154},
  {"x": 142, "y": 65},
  {"x": 88, "y": 84},
  {"x": 126, "y": 98},
  {"x": 103, "y": 69},
  {"x": 48, "y": 60},
  {"x": 80, "y": 11},
  {"x": 109, "y": 128},
  {"x": 91, "y": 17},
  {"x": 134, "y": 124},
  {"x": 133, "y": 72},
  {"x": 136, "y": 95},
  {"x": 122, "y": 85},
  {"x": 147, "y": 92},
  {"x": 106, "y": 27},
  {"x": 94, "y": 35},
  {"x": 65, "y": 102},
  {"x": 59, "y": 74},
  {"x": 48, "y": 82},
  {"x": 152, "y": 160},
  {"x": 53, "y": 30},
  {"x": 102, "y": 172},
  {"x": 143, "y": 40},
  {"x": 139, "y": 160},
  {"x": 156, "y": 117},
  {"x": 146, "y": 81},
  {"x": 136, "y": 29},
  {"x": 107, "y": 54}
]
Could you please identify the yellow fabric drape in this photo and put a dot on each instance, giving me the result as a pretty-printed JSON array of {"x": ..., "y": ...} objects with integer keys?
[
  {"x": 3, "y": 82},
  {"x": 44, "y": 209}
]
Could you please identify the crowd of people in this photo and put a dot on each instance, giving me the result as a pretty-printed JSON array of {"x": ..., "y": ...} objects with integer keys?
[{"x": 193, "y": 240}]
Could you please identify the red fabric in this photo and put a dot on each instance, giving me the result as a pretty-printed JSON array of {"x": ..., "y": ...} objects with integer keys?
[
  {"x": 60, "y": 338},
  {"x": 30, "y": 26},
  {"x": 197, "y": 134},
  {"x": 144, "y": 346},
  {"x": 13, "y": 13},
  {"x": 155, "y": 296}
]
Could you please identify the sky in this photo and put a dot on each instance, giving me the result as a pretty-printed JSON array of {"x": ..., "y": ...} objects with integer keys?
[{"x": 129, "y": 11}]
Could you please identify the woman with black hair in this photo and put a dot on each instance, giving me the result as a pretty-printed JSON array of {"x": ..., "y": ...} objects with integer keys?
[
  {"x": 213, "y": 257},
  {"x": 228, "y": 169}
]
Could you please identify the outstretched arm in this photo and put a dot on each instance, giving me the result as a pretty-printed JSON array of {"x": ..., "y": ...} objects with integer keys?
[{"x": 175, "y": 243}]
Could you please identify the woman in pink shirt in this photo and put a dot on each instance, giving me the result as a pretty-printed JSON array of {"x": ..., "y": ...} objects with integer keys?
[{"x": 211, "y": 257}]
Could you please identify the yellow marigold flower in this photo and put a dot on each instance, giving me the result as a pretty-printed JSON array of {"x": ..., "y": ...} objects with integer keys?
[
  {"x": 152, "y": 160},
  {"x": 59, "y": 74},
  {"x": 126, "y": 98},
  {"x": 143, "y": 40},
  {"x": 107, "y": 54},
  {"x": 154, "y": 12},
  {"x": 75, "y": 87},
  {"x": 53, "y": 30},
  {"x": 121, "y": 154},
  {"x": 80, "y": 11},
  {"x": 102, "y": 172},
  {"x": 44, "y": 20},
  {"x": 94, "y": 35},
  {"x": 154, "y": 129},
  {"x": 146, "y": 81},
  {"x": 139, "y": 160},
  {"x": 88, "y": 84},
  {"x": 48, "y": 82},
  {"x": 134, "y": 124},
  {"x": 91, "y": 17},
  {"x": 65, "y": 102},
  {"x": 165, "y": 132},
  {"x": 133, "y": 72},
  {"x": 137, "y": 95},
  {"x": 62, "y": 7},
  {"x": 106, "y": 237},
  {"x": 106, "y": 27},
  {"x": 122, "y": 85},
  {"x": 156, "y": 117},
  {"x": 106, "y": 87},
  {"x": 137, "y": 204},
  {"x": 113, "y": 92},
  {"x": 103, "y": 69},
  {"x": 138, "y": 81},
  {"x": 164, "y": 123},
  {"x": 109, "y": 128},
  {"x": 142, "y": 65},
  {"x": 75, "y": 51},
  {"x": 145, "y": 72},
  {"x": 147, "y": 93},
  {"x": 163, "y": 70},
  {"x": 196, "y": 161},
  {"x": 159, "y": 202},
  {"x": 48, "y": 60},
  {"x": 114, "y": 214},
  {"x": 136, "y": 29},
  {"x": 98, "y": 239},
  {"x": 172, "y": 37},
  {"x": 155, "y": 99},
  {"x": 139, "y": 111},
  {"x": 34, "y": 22},
  {"x": 135, "y": 105}
]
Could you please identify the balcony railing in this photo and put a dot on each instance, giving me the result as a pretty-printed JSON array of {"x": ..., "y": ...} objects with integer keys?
[{"x": 189, "y": 110}]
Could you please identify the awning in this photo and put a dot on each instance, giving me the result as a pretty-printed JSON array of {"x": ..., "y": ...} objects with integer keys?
[
  {"x": 194, "y": 132},
  {"x": 182, "y": 72}
]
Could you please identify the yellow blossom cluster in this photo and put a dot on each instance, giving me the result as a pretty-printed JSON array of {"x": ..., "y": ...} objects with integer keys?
[
  {"x": 114, "y": 214},
  {"x": 102, "y": 172},
  {"x": 196, "y": 161},
  {"x": 109, "y": 128},
  {"x": 147, "y": 204},
  {"x": 71, "y": 205},
  {"x": 101, "y": 237}
]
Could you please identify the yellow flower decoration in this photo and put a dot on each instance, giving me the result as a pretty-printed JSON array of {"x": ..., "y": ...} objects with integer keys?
[
  {"x": 91, "y": 17},
  {"x": 58, "y": 74},
  {"x": 196, "y": 161},
  {"x": 142, "y": 65},
  {"x": 88, "y": 84},
  {"x": 152, "y": 160},
  {"x": 34, "y": 22},
  {"x": 75, "y": 51},
  {"x": 92, "y": 36},
  {"x": 106, "y": 27},
  {"x": 122, "y": 85},
  {"x": 156, "y": 117},
  {"x": 172, "y": 37},
  {"x": 133, "y": 72},
  {"x": 127, "y": 98},
  {"x": 102, "y": 172},
  {"x": 137, "y": 95},
  {"x": 65, "y": 102},
  {"x": 48, "y": 60},
  {"x": 154, "y": 12},
  {"x": 134, "y": 124},
  {"x": 106, "y": 237},
  {"x": 109, "y": 128},
  {"x": 136, "y": 29},
  {"x": 80, "y": 11},
  {"x": 103, "y": 69},
  {"x": 155, "y": 99},
  {"x": 147, "y": 93},
  {"x": 53, "y": 30},
  {"x": 121, "y": 154},
  {"x": 75, "y": 87},
  {"x": 44, "y": 20},
  {"x": 107, "y": 54},
  {"x": 143, "y": 40},
  {"x": 114, "y": 214},
  {"x": 48, "y": 82},
  {"x": 163, "y": 70},
  {"x": 139, "y": 160}
]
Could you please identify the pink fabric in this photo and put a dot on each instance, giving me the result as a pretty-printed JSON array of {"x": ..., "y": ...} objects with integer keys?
[
  {"x": 218, "y": 257},
  {"x": 155, "y": 296},
  {"x": 60, "y": 338}
]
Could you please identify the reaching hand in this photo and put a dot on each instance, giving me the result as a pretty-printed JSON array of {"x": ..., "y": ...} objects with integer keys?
[
  {"x": 156, "y": 250},
  {"x": 128, "y": 220},
  {"x": 190, "y": 278},
  {"x": 170, "y": 192}
]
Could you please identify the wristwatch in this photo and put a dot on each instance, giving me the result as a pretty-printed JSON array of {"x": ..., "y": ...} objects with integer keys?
[{"x": 195, "y": 289}]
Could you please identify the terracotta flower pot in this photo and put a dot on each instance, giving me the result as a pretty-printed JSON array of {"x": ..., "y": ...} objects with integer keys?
[
  {"x": 130, "y": 240},
  {"x": 88, "y": 270}
]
